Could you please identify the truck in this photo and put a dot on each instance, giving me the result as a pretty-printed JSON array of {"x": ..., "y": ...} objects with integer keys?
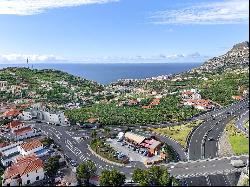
[{"x": 237, "y": 163}]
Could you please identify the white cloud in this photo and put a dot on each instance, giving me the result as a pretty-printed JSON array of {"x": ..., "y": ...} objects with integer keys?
[
  {"x": 30, "y": 7},
  {"x": 213, "y": 12},
  {"x": 37, "y": 58},
  {"x": 21, "y": 58}
]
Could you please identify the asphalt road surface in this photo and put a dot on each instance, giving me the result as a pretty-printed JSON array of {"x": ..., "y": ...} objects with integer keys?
[
  {"x": 204, "y": 167},
  {"x": 79, "y": 151},
  {"x": 200, "y": 147},
  {"x": 240, "y": 123}
]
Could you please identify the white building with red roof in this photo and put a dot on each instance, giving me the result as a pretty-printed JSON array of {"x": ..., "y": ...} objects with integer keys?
[
  {"x": 25, "y": 171},
  {"x": 16, "y": 125},
  {"x": 12, "y": 113},
  {"x": 26, "y": 132},
  {"x": 30, "y": 147},
  {"x": 190, "y": 94}
]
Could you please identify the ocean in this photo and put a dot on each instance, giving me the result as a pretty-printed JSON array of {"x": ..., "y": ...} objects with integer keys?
[{"x": 107, "y": 73}]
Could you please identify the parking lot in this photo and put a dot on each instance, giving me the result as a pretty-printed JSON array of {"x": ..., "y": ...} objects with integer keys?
[{"x": 129, "y": 150}]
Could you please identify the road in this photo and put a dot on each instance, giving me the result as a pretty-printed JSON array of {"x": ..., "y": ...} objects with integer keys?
[
  {"x": 78, "y": 150},
  {"x": 204, "y": 167},
  {"x": 199, "y": 146},
  {"x": 240, "y": 123}
]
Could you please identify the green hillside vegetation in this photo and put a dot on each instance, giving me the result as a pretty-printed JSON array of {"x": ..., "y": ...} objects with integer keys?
[
  {"x": 35, "y": 78},
  {"x": 110, "y": 114}
]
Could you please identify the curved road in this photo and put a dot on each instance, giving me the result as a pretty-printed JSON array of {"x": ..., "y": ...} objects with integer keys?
[
  {"x": 240, "y": 123},
  {"x": 200, "y": 147}
]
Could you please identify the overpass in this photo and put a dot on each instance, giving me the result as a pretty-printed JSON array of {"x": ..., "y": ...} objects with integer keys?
[{"x": 205, "y": 167}]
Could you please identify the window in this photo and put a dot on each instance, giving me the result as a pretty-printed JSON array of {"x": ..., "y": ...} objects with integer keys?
[
  {"x": 27, "y": 175},
  {"x": 37, "y": 178},
  {"x": 36, "y": 171},
  {"x": 28, "y": 181}
]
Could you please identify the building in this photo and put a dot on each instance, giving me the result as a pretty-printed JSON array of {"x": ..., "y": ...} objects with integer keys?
[
  {"x": 9, "y": 153},
  {"x": 30, "y": 147},
  {"x": 201, "y": 104},
  {"x": 3, "y": 85},
  {"x": 25, "y": 171},
  {"x": 26, "y": 132},
  {"x": 10, "y": 114},
  {"x": 237, "y": 97},
  {"x": 16, "y": 125},
  {"x": 25, "y": 116},
  {"x": 153, "y": 146},
  {"x": 190, "y": 94},
  {"x": 56, "y": 118}
]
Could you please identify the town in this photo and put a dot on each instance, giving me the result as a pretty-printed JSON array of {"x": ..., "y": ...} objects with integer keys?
[{"x": 185, "y": 129}]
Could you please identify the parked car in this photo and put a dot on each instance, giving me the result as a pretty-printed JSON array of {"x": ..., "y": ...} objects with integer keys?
[{"x": 210, "y": 138}]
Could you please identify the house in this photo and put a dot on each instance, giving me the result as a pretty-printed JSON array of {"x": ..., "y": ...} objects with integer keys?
[
  {"x": 237, "y": 97},
  {"x": 190, "y": 94},
  {"x": 16, "y": 125},
  {"x": 9, "y": 152},
  {"x": 3, "y": 85},
  {"x": 26, "y": 132},
  {"x": 30, "y": 147},
  {"x": 201, "y": 104},
  {"x": 25, "y": 171},
  {"x": 10, "y": 114},
  {"x": 25, "y": 116}
]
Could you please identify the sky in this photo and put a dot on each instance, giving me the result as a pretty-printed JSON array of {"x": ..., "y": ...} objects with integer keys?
[{"x": 104, "y": 31}]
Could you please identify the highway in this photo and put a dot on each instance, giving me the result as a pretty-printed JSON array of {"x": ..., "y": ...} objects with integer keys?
[
  {"x": 204, "y": 167},
  {"x": 240, "y": 123},
  {"x": 200, "y": 147},
  {"x": 79, "y": 152}
]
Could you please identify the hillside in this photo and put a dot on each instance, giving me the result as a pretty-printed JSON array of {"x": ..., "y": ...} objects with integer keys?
[
  {"x": 45, "y": 85},
  {"x": 238, "y": 57}
]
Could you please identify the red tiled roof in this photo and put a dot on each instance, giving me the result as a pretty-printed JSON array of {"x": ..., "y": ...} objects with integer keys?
[
  {"x": 23, "y": 166},
  {"x": 15, "y": 124},
  {"x": 4, "y": 144},
  {"x": 27, "y": 146},
  {"x": 23, "y": 130},
  {"x": 237, "y": 97},
  {"x": 11, "y": 112},
  {"x": 187, "y": 93}
]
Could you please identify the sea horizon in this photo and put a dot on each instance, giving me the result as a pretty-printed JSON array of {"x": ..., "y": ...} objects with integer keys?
[{"x": 106, "y": 73}]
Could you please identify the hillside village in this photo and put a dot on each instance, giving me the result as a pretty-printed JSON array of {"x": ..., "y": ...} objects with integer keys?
[{"x": 30, "y": 98}]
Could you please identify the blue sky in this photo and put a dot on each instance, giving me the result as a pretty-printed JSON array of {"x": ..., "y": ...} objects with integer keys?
[{"x": 120, "y": 30}]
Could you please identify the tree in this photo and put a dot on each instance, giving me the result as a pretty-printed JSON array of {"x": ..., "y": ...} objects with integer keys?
[
  {"x": 112, "y": 178},
  {"x": 165, "y": 179},
  {"x": 140, "y": 176},
  {"x": 85, "y": 171},
  {"x": 107, "y": 131},
  {"x": 155, "y": 176},
  {"x": 93, "y": 134},
  {"x": 47, "y": 141},
  {"x": 52, "y": 166},
  {"x": 174, "y": 182}
]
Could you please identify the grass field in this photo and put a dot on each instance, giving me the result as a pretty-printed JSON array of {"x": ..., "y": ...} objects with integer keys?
[
  {"x": 238, "y": 140},
  {"x": 180, "y": 132}
]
